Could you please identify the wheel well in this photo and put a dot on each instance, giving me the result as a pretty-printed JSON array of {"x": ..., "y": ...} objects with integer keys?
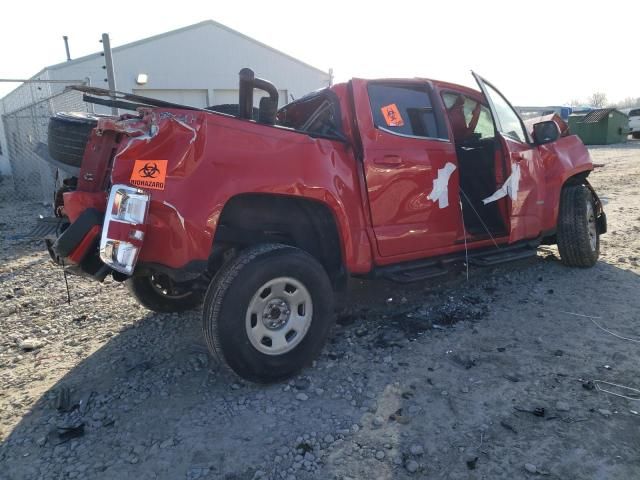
[
  {"x": 550, "y": 237},
  {"x": 249, "y": 219},
  {"x": 577, "y": 179}
]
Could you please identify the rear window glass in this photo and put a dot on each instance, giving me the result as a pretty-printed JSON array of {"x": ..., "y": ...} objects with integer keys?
[
  {"x": 635, "y": 113},
  {"x": 317, "y": 115},
  {"x": 404, "y": 109}
]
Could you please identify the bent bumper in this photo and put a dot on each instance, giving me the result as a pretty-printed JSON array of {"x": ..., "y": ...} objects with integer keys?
[
  {"x": 74, "y": 246},
  {"x": 99, "y": 243}
]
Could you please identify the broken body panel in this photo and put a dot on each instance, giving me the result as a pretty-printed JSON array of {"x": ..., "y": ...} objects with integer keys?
[{"x": 394, "y": 197}]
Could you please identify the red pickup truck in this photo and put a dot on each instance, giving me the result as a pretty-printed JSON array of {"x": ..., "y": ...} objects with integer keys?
[{"x": 263, "y": 214}]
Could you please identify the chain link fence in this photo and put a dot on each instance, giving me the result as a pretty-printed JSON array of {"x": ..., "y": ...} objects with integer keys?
[{"x": 25, "y": 119}]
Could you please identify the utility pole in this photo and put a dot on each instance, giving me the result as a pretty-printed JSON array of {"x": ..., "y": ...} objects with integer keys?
[
  {"x": 66, "y": 46},
  {"x": 108, "y": 66}
]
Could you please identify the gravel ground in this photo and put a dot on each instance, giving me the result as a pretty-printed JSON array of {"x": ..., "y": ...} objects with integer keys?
[{"x": 489, "y": 378}]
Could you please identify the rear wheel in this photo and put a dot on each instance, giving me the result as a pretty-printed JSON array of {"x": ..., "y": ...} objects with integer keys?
[
  {"x": 636, "y": 135},
  {"x": 578, "y": 236},
  {"x": 268, "y": 312},
  {"x": 160, "y": 293}
]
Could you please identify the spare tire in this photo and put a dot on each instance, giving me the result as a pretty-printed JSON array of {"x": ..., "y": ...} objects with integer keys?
[{"x": 68, "y": 136}]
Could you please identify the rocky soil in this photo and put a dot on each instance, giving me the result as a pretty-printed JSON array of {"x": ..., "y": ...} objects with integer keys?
[{"x": 501, "y": 376}]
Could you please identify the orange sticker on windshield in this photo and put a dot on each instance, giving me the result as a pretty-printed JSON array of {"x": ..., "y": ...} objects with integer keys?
[
  {"x": 149, "y": 174},
  {"x": 392, "y": 115}
]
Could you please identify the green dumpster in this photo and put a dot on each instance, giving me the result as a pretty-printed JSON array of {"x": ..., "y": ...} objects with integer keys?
[{"x": 600, "y": 127}]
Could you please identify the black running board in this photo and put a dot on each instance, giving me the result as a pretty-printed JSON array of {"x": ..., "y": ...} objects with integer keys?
[
  {"x": 503, "y": 257},
  {"x": 438, "y": 266}
]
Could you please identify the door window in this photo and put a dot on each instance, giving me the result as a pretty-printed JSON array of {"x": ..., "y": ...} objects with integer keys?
[
  {"x": 478, "y": 125},
  {"x": 507, "y": 119},
  {"x": 405, "y": 110}
]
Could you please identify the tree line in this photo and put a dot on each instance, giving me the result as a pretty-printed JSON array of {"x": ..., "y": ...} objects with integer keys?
[{"x": 599, "y": 100}]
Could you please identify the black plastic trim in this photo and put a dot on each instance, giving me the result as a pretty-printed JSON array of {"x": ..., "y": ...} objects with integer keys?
[{"x": 73, "y": 235}]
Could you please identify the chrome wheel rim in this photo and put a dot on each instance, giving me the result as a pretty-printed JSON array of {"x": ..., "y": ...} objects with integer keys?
[
  {"x": 591, "y": 226},
  {"x": 279, "y": 316}
]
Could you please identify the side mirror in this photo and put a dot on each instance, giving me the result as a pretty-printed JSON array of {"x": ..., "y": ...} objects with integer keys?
[{"x": 545, "y": 132}]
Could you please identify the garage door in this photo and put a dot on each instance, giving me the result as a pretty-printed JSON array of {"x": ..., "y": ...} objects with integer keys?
[
  {"x": 221, "y": 97},
  {"x": 195, "y": 98}
]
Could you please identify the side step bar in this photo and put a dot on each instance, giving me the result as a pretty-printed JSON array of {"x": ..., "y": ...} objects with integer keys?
[
  {"x": 435, "y": 267},
  {"x": 503, "y": 257}
]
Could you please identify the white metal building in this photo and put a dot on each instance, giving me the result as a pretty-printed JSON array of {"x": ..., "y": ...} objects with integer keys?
[{"x": 196, "y": 65}]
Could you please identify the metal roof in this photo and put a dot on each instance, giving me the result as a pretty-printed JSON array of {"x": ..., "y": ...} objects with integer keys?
[
  {"x": 597, "y": 115},
  {"x": 206, "y": 23}
]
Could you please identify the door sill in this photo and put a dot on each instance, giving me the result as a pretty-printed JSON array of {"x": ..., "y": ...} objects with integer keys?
[{"x": 481, "y": 237}]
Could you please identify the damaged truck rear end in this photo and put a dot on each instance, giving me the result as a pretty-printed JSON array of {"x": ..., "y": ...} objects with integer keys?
[{"x": 263, "y": 215}]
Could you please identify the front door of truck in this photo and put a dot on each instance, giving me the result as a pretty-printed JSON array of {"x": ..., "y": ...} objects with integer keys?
[
  {"x": 524, "y": 187},
  {"x": 410, "y": 167}
]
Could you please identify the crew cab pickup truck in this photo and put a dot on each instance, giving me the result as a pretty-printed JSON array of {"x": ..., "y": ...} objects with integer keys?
[{"x": 263, "y": 214}]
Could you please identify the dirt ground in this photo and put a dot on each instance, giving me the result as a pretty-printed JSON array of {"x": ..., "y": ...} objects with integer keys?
[{"x": 496, "y": 377}]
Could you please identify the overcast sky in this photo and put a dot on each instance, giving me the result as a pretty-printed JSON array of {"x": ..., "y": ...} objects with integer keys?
[{"x": 537, "y": 52}]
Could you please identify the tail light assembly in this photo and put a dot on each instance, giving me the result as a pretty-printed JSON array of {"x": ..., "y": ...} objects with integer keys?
[{"x": 124, "y": 228}]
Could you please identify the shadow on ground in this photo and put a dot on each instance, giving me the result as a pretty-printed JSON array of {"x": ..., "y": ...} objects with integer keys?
[{"x": 416, "y": 381}]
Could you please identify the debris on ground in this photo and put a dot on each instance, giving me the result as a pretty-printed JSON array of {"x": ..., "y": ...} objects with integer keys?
[{"x": 422, "y": 386}]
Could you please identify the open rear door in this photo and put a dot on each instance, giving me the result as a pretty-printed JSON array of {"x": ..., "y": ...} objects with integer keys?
[{"x": 524, "y": 187}]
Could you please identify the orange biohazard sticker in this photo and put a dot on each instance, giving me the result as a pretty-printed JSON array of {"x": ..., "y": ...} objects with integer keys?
[
  {"x": 149, "y": 174},
  {"x": 392, "y": 115}
]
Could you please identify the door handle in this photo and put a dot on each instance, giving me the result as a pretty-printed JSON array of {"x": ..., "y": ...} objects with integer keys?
[
  {"x": 517, "y": 156},
  {"x": 388, "y": 160}
]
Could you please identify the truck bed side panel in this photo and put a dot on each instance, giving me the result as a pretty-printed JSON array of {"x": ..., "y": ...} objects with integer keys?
[{"x": 212, "y": 158}]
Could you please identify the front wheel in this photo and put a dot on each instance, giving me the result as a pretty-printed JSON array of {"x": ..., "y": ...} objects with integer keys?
[
  {"x": 578, "y": 236},
  {"x": 160, "y": 293},
  {"x": 268, "y": 312}
]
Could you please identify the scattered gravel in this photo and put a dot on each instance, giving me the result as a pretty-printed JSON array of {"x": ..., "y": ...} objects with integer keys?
[
  {"x": 412, "y": 466},
  {"x": 416, "y": 450},
  {"x": 30, "y": 344},
  {"x": 416, "y": 381}
]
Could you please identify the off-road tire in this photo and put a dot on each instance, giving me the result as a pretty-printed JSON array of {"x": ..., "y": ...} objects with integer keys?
[
  {"x": 68, "y": 136},
  {"x": 574, "y": 240},
  {"x": 229, "y": 296},
  {"x": 143, "y": 290}
]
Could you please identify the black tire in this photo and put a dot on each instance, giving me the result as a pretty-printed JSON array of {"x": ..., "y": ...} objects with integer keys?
[
  {"x": 68, "y": 136},
  {"x": 231, "y": 109},
  {"x": 160, "y": 294},
  {"x": 636, "y": 135},
  {"x": 226, "y": 314},
  {"x": 578, "y": 236}
]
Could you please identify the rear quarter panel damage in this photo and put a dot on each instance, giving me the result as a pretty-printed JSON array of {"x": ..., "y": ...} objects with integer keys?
[{"x": 212, "y": 158}]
